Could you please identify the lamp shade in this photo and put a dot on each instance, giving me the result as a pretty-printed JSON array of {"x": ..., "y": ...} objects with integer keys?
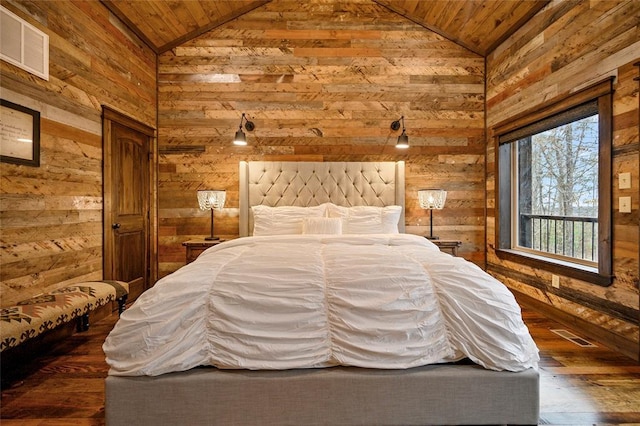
[
  {"x": 211, "y": 199},
  {"x": 240, "y": 138},
  {"x": 432, "y": 198},
  {"x": 403, "y": 141}
]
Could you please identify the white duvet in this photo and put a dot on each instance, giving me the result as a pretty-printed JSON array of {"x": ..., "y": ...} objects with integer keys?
[{"x": 305, "y": 301}]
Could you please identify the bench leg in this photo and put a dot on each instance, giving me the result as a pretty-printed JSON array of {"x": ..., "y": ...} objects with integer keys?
[
  {"x": 83, "y": 323},
  {"x": 121, "y": 304}
]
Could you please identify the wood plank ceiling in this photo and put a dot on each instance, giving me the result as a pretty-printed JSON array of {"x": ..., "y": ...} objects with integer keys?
[{"x": 478, "y": 25}]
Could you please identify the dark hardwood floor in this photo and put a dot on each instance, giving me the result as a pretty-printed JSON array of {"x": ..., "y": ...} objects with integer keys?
[{"x": 579, "y": 385}]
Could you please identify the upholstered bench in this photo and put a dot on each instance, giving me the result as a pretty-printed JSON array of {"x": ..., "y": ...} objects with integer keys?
[{"x": 32, "y": 317}]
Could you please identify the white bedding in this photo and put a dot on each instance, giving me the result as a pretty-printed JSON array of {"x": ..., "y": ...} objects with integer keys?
[{"x": 304, "y": 301}]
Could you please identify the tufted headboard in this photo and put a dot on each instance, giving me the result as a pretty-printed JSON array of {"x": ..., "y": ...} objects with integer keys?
[{"x": 312, "y": 183}]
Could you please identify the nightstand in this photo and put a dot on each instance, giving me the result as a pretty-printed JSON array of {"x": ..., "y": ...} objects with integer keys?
[
  {"x": 448, "y": 246},
  {"x": 197, "y": 246}
]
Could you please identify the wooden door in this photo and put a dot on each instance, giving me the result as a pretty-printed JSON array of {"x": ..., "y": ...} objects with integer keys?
[{"x": 127, "y": 147}]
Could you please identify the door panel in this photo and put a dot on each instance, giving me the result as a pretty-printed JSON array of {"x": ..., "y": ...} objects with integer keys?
[
  {"x": 126, "y": 205},
  {"x": 130, "y": 252}
]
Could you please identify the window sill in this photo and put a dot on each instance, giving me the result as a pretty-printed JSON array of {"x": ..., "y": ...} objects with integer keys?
[{"x": 579, "y": 272}]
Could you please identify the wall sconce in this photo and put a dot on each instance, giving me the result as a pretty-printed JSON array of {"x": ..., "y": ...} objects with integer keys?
[
  {"x": 240, "y": 139},
  {"x": 403, "y": 139},
  {"x": 211, "y": 200},
  {"x": 432, "y": 199}
]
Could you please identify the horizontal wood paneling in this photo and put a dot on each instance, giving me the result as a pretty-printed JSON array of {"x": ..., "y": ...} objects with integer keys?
[
  {"x": 567, "y": 46},
  {"x": 51, "y": 216},
  {"x": 322, "y": 81}
]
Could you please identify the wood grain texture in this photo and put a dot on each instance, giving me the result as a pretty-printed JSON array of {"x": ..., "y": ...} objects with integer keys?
[
  {"x": 478, "y": 25},
  {"x": 51, "y": 216},
  {"x": 579, "y": 385},
  {"x": 321, "y": 81},
  {"x": 567, "y": 46},
  {"x": 165, "y": 24}
]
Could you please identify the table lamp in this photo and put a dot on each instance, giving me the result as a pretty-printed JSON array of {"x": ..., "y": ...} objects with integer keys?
[
  {"x": 211, "y": 200},
  {"x": 432, "y": 199}
]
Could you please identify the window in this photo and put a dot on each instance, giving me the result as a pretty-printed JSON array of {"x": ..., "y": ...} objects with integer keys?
[{"x": 554, "y": 186}]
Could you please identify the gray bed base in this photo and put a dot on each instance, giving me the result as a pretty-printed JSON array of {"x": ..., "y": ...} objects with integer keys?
[{"x": 430, "y": 395}]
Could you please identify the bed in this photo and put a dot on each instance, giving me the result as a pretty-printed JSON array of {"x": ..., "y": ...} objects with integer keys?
[{"x": 433, "y": 354}]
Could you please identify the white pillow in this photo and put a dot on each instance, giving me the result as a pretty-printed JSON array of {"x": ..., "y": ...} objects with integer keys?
[
  {"x": 322, "y": 225},
  {"x": 283, "y": 220},
  {"x": 367, "y": 219}
]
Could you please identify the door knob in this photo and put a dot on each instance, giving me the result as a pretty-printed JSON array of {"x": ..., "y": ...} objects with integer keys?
[{"x": 115, "y": 226}]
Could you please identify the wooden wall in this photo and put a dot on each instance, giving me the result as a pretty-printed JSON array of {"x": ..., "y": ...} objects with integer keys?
[
  {"x": 51, "y": 216},
  {"x": 322, "y": 81},
  {"x": 565, "y": 47}
]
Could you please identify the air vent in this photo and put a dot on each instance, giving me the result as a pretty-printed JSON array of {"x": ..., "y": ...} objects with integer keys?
[
  {"x": 23, "y": 45},
  {"x": 566, "y": 334}
]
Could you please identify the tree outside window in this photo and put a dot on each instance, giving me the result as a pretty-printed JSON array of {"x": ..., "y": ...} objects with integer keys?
[{"x": 557, "y": 183}]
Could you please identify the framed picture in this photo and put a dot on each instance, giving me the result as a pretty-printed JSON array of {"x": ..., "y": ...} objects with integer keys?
[{"x": 19, "y": 134}]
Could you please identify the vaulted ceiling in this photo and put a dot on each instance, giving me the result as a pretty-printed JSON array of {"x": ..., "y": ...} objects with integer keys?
[{"x": 479, "y": 25}]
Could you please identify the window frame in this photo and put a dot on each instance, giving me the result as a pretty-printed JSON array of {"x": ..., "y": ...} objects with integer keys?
[{"x": 602, "y": 93}]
